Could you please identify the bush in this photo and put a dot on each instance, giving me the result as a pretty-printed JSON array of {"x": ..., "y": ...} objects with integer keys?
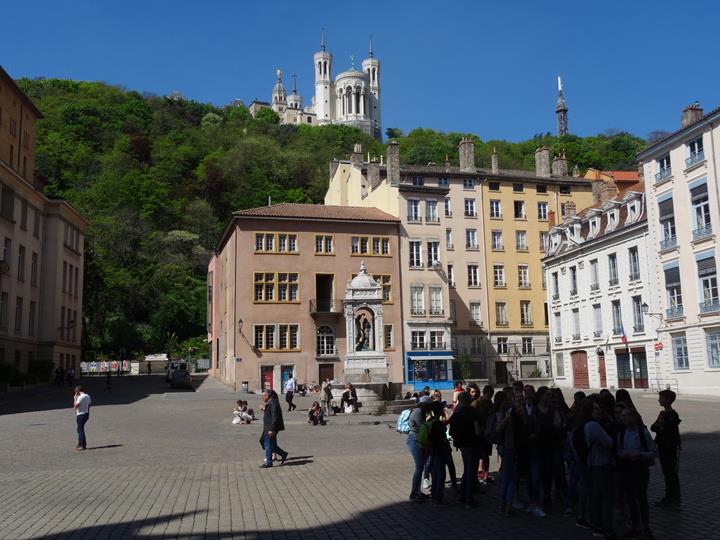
[{"x": 42, "y": 370}]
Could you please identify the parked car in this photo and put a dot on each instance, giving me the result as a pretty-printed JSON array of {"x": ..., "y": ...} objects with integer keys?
[
  {"x": 181, "y": 377},
  {"x": 172, "y": 368}
]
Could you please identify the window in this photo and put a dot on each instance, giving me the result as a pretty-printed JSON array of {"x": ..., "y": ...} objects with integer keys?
[
  {"x": 415, "y": 254},
  {"x": 370, "y": 245},
  {"x": 33, "y": 269},
  {"x": 64, "y": 276},
  {"x": 324, "y": 244},
  {"x": 448, "y": 207},
  {"x": 546, "y": 318},
  {"x": 468, "y": 183},
  {"x": 707, "y": 274},
  {"x": 495, "y": 209},
  {"x": 521, "y": 241},
  {"x": 21, "y": 264},
  {"x": 696, "y": 154},
  {"x": 450, "y": 275},
  {"x": 559, "y": 365},
  {"x": 573, "y": 280},
  {"x": 525, "y": 313},
  {"x": 701, "y": 211},
  {"x": 388, "y": 338},
  {"x": 384, "y": 280},
  {"x": 666, "y": 214},
  {"x": 448, "y": 239},
  {"x": 564, "y": 189},
  {"x": 417, "y": 304},
  {"x": 413, "y": 210},
  {"x": 502, "y": 345},
  {"x": 436, "y": 303},
  {"x": 7, "y": 251},
  {"x": 613, "y": 269},
  {"x": 617, "y": 318},
  {"x": 634, "y": 259},
  {"x": 593, "y": 227},
  {"x": 275, "y": 243},
  {"x": 542, "y": 211},
  {"x": 437, "y": 340},
  {"x": 541, "y": 188},
  {"x": 18, "y": 315},
  {"x": 576, "y": 324},
  {"x": 470, "y": 208},
  {"x": 713, "y": 348},
  {"x": 418, "y": 340},
  {"x": 673, "y": 290},
  {"x": 473, "y": 275},
  {"x": 36, "y": 223},
  {"x": 638, "y": 315},
  {"x": 266, "y": 284},
  {"x": 471, "y": 239},
  {"x": 325, "y": 341},
  {"x": 7, "y": 201},
  {"x": 555, "y": 285},
  {"x": 494, "y": 186},
  {"x": 23, "y": 215},
  {"x": 544, "y": 241},
  {"x": 475, "y": 315},
  {"x": 527, "y": 345},
  {"x": 31, "y": 320},
  {"x": 594, "y": 275},
  {"x": 523, "y": 276},
  {"x": 287, "y": 287},
  {"x": 519, "y": 209},
  {"x": 558, "y": 327},
  {"x": 663, "y": 166},
  {"x": 431, "y": 213},
  {"x": 433, "y": 253},
  {"x": 597, "y": 320},
  {"x": 443, "y": 182},
  {"x": 518, "y": 188},
  {"x": 452, "y": 312},
  {"x": 680, "y": 352},
  {"x": 496, "y": 240},
  {"x": 277, "y": 337},
  {"x": 498, "y": 275},
  {"x": 418, "y": 181}
]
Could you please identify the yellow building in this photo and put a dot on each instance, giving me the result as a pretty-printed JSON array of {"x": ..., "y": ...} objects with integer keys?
[{"x": 466, "y": 255}]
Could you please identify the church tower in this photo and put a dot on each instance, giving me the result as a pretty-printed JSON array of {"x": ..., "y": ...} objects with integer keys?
[
  {"x": 279, "y": 96},
  {"x": 371, "y": 67},
  {"x": 294, "y": 99},
  {"x": 324, "y": 86},
  {"x": 561, "y": 111}
]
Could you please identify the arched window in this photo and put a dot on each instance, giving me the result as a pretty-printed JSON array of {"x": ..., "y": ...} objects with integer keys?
[{"x": 325, "y": 341}]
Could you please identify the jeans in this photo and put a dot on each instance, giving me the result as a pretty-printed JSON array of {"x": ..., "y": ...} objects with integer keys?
[
  {"x": 669, "y": 461},
  {"x": 81, "y": 421},
  {"x": 471, "y": 462},
  {"x": 271, "y": 447},
  {"x": 634, "y": 480},
  {"x": 437, "y": 489},
  {"x": 602, "y": 497},
  {"x": 418, "y": 456},
  {"x": 508, "y": 476}
]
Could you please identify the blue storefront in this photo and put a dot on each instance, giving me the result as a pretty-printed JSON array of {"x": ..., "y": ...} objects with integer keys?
[{"x": 433, "y": 369}]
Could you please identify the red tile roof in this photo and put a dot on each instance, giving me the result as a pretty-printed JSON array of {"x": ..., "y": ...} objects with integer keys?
[
  {"x": 318, "y": 211},
  {"x": 624, "y": 176}
]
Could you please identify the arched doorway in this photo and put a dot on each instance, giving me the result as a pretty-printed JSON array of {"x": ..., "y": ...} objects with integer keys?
[{"x": 581, "y": 378}]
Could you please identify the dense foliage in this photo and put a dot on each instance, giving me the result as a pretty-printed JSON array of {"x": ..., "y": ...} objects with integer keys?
[{"x": 158, "y": 179}]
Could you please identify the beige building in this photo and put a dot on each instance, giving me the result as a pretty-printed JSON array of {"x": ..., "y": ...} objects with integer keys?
[
  {"x": 276, "y": 290},
  {"x": 41, "y": 273},
  {"x": 484, "y": 228}
]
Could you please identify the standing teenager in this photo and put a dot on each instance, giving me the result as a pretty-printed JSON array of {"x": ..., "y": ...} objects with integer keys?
[{"x": 81, "y": 404}]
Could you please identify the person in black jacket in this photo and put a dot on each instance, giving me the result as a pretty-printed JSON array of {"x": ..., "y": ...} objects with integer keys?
[
  {"x": 272, "y": 424},
  {"x": 667, "y": 440},
  {"x": 465, "y": 430}
]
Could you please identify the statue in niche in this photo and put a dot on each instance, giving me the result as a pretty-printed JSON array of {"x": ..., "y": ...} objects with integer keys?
[{"x": 363, "y": 333}]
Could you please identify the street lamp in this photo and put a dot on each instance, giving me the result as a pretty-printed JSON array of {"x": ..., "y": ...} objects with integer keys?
[{"x": 646, "y": 311}]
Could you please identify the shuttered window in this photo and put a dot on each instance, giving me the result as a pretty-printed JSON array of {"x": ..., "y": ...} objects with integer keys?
[{"x": 666, "y": 209}]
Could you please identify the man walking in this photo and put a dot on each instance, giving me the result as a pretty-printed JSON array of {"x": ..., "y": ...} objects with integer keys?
[
  {"x": 81, "y": 404},
  {"x": 290, "y": 388},
  {"x": 272, "y": 424}
]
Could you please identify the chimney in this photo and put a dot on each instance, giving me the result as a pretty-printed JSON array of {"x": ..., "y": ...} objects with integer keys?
[
  {"x": 641, "y": 171},
  {"x": 467, "y": 155},
  {"x": 570, "y": 209},
  {"x": 576, "y": 172},
  {"x": 373, "y": 173},
  {"x": 356, "y": 158},
  {"x": 559, "y": 165},
  {"x": 393, "y": 163},
  {"x": 494, "y": 161},
  {"x": 551, "y": 219},
  {"x": 542, "y": 162},
  {"x": 447, "y": 163},
  {"x": 691, "y": 114}
]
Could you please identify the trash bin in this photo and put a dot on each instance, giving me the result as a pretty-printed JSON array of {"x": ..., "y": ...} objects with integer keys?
[{"x": 245, "y": 387}]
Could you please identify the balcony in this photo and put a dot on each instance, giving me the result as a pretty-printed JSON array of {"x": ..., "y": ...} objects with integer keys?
[
  {"x": 711, "y": 305},
  {"x": 597, "y": 333},
  {"x": 556, "y": 296},
  {"x": 573, "y": 292},
  {"x": 523, "y": 285},
  {"x": 498, "y": 247},
  {"x": 558, "y": 339},
  {"x": 576, "y": 337},
  {"x": 638, "y": 328},
  {"x": 702, "y": 232},
  {"x": 635, "y": 276},
  {"x": 695, "y": 158},
  {"x": 437, "y": 312},
  {"x": 327, "y": 352},
  {"x": 414, "y": 218},
  {"x": 432, "y": 219},
  {"x": 417, "y": 312},
  {"x": 500, "y": 285},
  {"x": 613, "y": 282},
  {"x": 438, "y": 346},
  {"x": 668, "y": 242},
  {"x": 674, "y": 313},
  {"x": 320, "y": 306},
  {"x": 448, "y": 213},
  {"x": 663, "y": 175},
  {"x": 471, "y": 246},
  {"x": 470, "y": 214},
  {"x": 594, "y": 286},
  {"x": 419, "y": 346},
  {"x": 501, "y": 322}
]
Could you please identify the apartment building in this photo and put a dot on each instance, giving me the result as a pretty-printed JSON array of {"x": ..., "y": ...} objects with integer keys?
[
  {"x": 41, "y": 272},
  {"x": 602, "y": 294},
  {"x": 488, "y": 264},
  {"x": 277, "y": 288},
  {"x": 681, "y": 183}
]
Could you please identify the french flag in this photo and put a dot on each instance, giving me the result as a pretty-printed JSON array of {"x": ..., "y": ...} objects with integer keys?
[{"x": 623, "y": 337}]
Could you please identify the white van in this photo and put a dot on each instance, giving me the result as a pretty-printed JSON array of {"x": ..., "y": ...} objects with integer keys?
[{"x": 173, "y": 366}]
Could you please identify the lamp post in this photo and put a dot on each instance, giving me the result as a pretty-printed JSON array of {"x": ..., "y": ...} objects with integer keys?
[{"x": 658, "y": 344}]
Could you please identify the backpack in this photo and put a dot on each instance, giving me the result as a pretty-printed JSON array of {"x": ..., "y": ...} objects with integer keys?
[
  {"x": 423, "y": 434},
  {"x": 403, "y": 426}
]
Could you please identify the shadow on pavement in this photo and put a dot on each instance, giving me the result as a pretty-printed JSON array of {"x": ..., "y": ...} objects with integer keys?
[
  {"x": 103, "y": 447},
  {"x": 125, "y": 389}
]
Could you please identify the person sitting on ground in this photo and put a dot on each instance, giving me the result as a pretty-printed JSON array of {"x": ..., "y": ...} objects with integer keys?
[
  {"x": 315, "y": 415},
  {"x": 349, "y": 398},
  {"x": 242, "y": 413}
]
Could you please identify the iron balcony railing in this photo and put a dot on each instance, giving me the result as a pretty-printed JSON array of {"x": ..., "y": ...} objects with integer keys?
[
  {"x": 417, "y": 312},
  {"x": 669, "y": 242},
  {"x": 674, "y": 313},
  {"x": 697, "y": 157},
  {"x": 637, "y": 328},
  {"x": 437, "y": 311},
  {"x": 327, "y": 352},
  {"x": 573, "y": 292},
  {"x": 325, "y": 305},
  {"x": 663, "y": 174},
  {"x": 597, "y": 333},
  {"x": 558, "y": 339},
  {"x": 635, "y": 276},
  {"x": 576, "y": 337},
  {"x": 710, "y": 305},
  {"x": 498, "y": 247},
  {"x": 613, "y": 282},
  {"x": 594, "y": 286},
  {"x": 702, "y": 232}
]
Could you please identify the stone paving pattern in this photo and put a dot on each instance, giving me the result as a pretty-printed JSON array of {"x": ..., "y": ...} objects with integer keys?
[{"x": 173, "y": 466}]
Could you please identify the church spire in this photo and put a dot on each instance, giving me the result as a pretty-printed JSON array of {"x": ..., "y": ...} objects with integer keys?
[
  {"x": 561, "y": 111},
  {"x": 322, "y": 39},
  {"x": 370, "y": 51},
  {"x": 294, "y": 78}
]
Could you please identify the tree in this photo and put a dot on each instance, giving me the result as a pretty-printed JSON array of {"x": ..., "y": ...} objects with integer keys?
[{"x": 393, "y": 133}]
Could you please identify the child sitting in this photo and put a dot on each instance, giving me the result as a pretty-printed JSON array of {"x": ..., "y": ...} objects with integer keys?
[
  {"x": 315, "y": 415},
  {"x": 242, "y": 414}
]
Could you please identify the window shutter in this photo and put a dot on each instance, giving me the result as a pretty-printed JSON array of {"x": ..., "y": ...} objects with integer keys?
[
  {"x": 706, "y": 267},
  {"x": 699, "y": 192},
  {"x": 672, "y": 277},
  {"x": 666, "y": 209}
]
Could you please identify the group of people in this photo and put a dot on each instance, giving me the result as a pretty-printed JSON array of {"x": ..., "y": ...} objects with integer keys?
[{"x": 593, "y": 457}]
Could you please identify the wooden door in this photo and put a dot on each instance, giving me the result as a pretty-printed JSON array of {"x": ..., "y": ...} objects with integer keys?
[
  {"x": 266, "y": 373},
  {"x": 326, "y": 371},
  {"x": 601, "y": 370},
  {"x": 581, "y": 377}
]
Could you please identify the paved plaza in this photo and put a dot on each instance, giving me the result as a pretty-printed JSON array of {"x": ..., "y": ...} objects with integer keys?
[{"x": 166, "y": 464}]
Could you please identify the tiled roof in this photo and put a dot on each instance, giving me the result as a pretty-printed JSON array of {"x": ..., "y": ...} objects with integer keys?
[
  {"x": 318, "y": 211},
  {"x": 624, "y": 176}
]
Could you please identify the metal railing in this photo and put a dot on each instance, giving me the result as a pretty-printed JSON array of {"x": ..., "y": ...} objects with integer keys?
[
  {"x": 594, "y": 286},
  {"x": 326, "y": 305},
  {"x": 439, "y": 311},
  {"x": 674, "y": 313},
  {"x": 498, "y": 247},
  {"x": 697, "y": 157},
  {"x": 669, "y": 242},
  {"x": 710, "y": 306},
  {"x": 638, "y": 328},
  {"x": 702, "y": 232},
  {"x": 576, "y": 337},
  {"x": 613, "y": 282},
  {"x": 663, "y": 174},
  {"x": 558, "y": 339},
  {"x": 597, "y": 333},
  {"x": 417, "y": 312}
]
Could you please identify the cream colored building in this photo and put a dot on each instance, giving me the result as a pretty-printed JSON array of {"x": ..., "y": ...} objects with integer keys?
[
  {"x": 469, "y": 213},
  {"x": 41, "y": 273},
  {"x": 683, "y": 193}
]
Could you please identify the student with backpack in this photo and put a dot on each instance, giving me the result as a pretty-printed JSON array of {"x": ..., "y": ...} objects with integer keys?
[
  {"x": 636, "y": 453},
  {"x": 418, "y": 430},
  {"x": 440, "y": 450},
  {"x": 464, "y": 430},
  {"x": 667, "y": 441},
  {"x": 600, "y": 446}
]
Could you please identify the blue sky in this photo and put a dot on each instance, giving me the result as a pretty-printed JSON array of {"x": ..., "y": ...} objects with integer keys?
[{"x": 471, "y": 66}]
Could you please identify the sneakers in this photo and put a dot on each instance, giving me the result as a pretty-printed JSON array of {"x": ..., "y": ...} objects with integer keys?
[
  {"x": 426, "y": 483},
  {"x": 283, "y": 458},
  {"x": 538, "y": 512}
]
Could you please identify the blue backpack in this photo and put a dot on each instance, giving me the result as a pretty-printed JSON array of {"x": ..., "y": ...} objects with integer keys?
[{"x": 403, "y": 425}]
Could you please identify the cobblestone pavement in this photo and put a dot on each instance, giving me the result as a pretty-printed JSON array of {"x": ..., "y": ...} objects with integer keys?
[{"x": 172, "y": 466}]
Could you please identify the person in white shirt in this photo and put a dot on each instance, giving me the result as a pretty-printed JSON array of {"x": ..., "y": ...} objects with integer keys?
[
  {"x": 290, "y": 388},
  {"x": 81, "y": 404}
]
